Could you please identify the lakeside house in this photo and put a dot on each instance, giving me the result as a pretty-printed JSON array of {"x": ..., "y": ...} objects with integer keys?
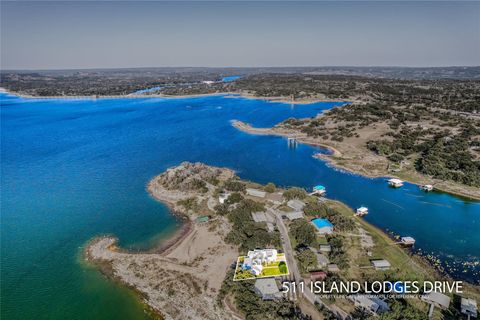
[
  {"x": 319, "y": 190},
  {"x": 255, "y": 260},
  {"x": 294, "y": 215},
  {"x": 369, "y": 303},
  {"x": 267, "y": 288},
  {"x": 259, "y": 216},
  {"x": 323, "y": 226},
  {"x": 256, "y": 193},
  {"x": 381, "y": 264},
  {"x": 436, "y": 299},
  {"x": 362, "y": 211},
  {"x": 222, "y": 197},
  {"x": 296, "y": 204},
  {"x": 468, "y": 307},
  {"x": 396, "y": 183}
]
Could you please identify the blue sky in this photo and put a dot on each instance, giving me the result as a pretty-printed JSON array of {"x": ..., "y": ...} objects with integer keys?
[{"x": 85, "y": 34}]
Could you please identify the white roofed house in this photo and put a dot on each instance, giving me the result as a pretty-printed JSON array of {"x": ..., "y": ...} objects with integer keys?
[
  {"x": 381, "y": 264},
  {"x": 256, "y": 193},
  {"x": 296, "y": 205},
  {"x": 372, "y": 304},
  {"x": 436, "y": 299},
  {"x": 263, "y": 255},
  {"x": 267, "y": 288},
  {"x": 294, "y": 215}
]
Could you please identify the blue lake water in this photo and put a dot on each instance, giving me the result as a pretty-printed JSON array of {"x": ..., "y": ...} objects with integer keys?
[{"x": 74, "y": 169}]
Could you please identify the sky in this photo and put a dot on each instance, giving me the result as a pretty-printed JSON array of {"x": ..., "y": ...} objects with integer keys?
[{"x": 121, "y": 34}]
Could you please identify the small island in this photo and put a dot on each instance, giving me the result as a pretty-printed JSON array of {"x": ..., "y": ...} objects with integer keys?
[{"x": 227, "y": 220}]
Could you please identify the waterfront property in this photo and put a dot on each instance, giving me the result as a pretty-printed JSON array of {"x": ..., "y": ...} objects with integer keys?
[
  {"x": 323, "y": 226},
  {"x": 261, "y": 263},
  {"x": 267, "y": 288},
  {"x": 319, "y": 190},
  {"x": 468, "y": 307},
  {"x": 396, "y": 183},
  {"x": 370, "y": 304},
  {"x": 381, "y": 264}
]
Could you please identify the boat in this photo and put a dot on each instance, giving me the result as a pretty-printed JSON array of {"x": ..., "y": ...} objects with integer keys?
[
  {"x": 396, "y": 183},
  {"x": 362, "y": 211},
  {"x": 407, "y": 241},
  {"x": 426, "y": 187}
]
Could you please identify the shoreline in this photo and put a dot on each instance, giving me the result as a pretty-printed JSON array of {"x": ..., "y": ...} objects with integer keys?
[
  {"x": 279, "y": 99},
  {"x": 329, "y": 158}
]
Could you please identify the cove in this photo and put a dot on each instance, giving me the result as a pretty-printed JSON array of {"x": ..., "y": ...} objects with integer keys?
[{"x": 75, "y": 169}]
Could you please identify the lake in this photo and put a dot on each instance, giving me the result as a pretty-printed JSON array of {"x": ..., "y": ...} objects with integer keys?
[{"x": 75, "y": 169}]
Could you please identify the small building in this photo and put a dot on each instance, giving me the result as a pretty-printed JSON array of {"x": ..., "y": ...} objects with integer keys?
[
  {"x": 203, "y": 219},
  {"x": 275, "y": 197},
  {"x": 407, "y": 241},
  {"x": 208, "y": 82},
  {"x": 259, "y": 216},
  {"x": 263, "y": 255},
  {"x": 469, "y": 307},
  {"x": 318, "y": 275},
  {"x": 436, "y": 299},
  {"x": 333, "y": 268},
  {"x": 294, "y": 215},
  {"x": 396, "y": 183},
  {"x": 256, "y": 193},
  {"x": 267, "y": 288},
  {"x": 325, "y": 248},
  {"x": 296, "y": 204},
  {"x": 323, "y": 226},
  {"x": 362, "y": 211},
  {"x": 381, "y": 264},
  {"x": 319, "y": 190},
  {"x": 369, "y": 303},
  {"x": 322, "y": 260},
  {"x": 223, "y": 197}
]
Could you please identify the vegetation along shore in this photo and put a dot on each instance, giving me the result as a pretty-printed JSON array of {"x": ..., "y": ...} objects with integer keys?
[{"x": 227, "y": 217}]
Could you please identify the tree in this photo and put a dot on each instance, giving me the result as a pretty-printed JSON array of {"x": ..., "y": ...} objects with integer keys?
[
  {"x": 307, "y": 260},
  {"x": 303, "y": 232},
  {"x": 270, "y": 187},
  {"x": 295, "y": 193}
]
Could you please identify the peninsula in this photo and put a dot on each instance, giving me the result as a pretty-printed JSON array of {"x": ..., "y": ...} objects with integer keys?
[{"x": 226, "y": 217}]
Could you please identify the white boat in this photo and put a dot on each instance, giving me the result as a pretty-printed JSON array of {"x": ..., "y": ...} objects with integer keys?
[
  {"x": 362, "y": 211},
  {"x": 407, "y": 241},
  {"x": 426, "y": 187},
  {"x": 396, "y": 183}
]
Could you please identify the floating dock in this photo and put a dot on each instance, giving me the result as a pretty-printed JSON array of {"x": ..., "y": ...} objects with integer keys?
[
  {"x": 396, "y": 183},
  {"x": 362, "y": 211}
]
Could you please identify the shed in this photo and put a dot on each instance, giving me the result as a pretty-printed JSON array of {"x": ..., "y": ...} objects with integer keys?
[
  {"x": 267, "y": 288},
  {"x": 381, "y": 264},
  {"x": 333, "y": 268},
  {"x": 325, "y": 248},
  {"x": 370, "y": 303},
  {"x": 256, "y": 193},
  {"x": 296, "y": 205},
  {"x": 270, "y": 227}
]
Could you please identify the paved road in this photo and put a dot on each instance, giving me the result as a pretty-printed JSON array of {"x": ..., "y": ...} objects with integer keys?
[{"x": 293, "y": 267}]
